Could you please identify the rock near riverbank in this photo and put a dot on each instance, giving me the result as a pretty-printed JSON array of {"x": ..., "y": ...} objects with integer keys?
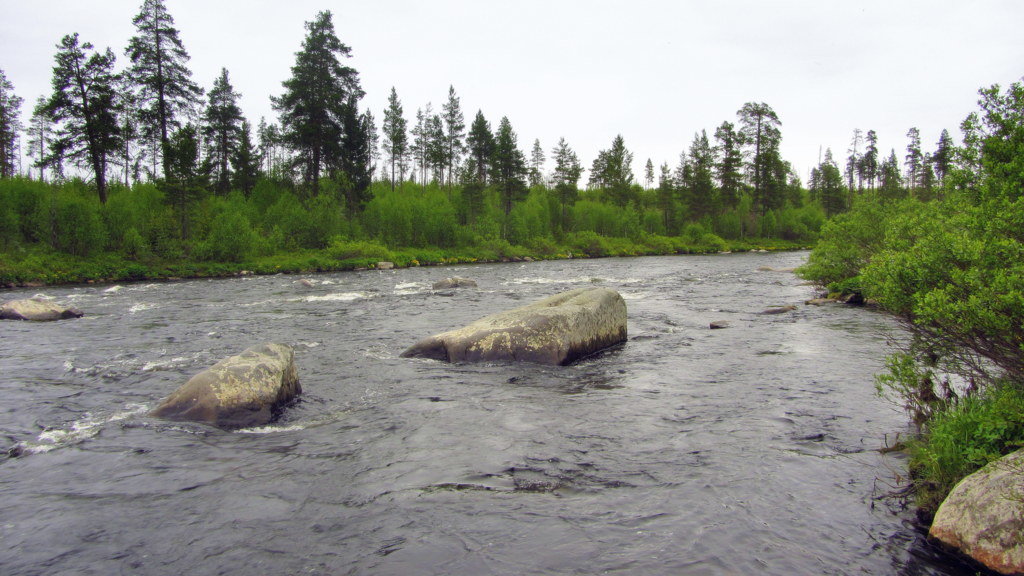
[
  {"x": 37, "y": 310},
  {"x": 558, "y": 330},
  {"x": 984, "y": 516},
  {"x": 237, "y": 392}
]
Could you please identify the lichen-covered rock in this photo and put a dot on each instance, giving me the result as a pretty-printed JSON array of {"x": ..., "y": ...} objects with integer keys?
[
  {"x": 454, "y": 282},
  {"x": 37, "y": 310},
  {"x": 984, "y": 515},
  {"x": 239, "y": 391},
  {"x": 557, "y": 330}
]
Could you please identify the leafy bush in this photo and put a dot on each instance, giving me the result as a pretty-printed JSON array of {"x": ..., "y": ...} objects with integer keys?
[{"x": 964, "y": 438}]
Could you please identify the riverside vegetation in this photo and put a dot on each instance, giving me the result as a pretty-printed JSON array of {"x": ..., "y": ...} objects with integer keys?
[{"x": 952, "y": 269}]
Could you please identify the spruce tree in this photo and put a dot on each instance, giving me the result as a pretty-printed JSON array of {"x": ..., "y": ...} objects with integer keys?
[
  {"x": 701, "y": 194},
  {"x": 566, "y": 178},
  {"x": 537, "y": 164},
  {"x": 648, "y": 174},
  {"x": 868, "y": 168},
  {"x": 729, "y": 164},
  {"x": 245, "y": 162},
  {"x": 614, "y": 171},
  {"x": 943, "y": 156},
  {"x": 481, "y": 145},
  {"x": 508, "y": 166},
  {"x": 454, "y": 132},
  {"x": 222, "y": 126},
  {"x": 396, "y": 139},
  {"x": 10, "y": 125},
  {"x": 159, "y": 70},
  {"x": 314, "y": 104},
  {"x": 914, "y": 159},
  {"x": 84, "y": 106}
]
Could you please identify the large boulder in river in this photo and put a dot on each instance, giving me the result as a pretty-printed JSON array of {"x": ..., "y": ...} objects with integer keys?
[
  {"x": 239, "y": 391},
  {"x": 454, "y": 282},
  {"x": 557, "y": 330},
  {"x": 37, "y": 309},
  {"x": 984, "y": 515}
]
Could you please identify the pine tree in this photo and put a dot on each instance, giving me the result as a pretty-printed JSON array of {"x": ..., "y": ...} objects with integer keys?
[
  {"x": 40, "y": 131},
  {"x": 421, "y": 142},
  {"x": 508, "y": 166},
  {"x": 313, "y": 106},
  {"x": 222, "y": 126},
  {"x": 245, "y": 163},
  {"x": 729, "y": 165},
  {"x": 648, "y": 174},
  {"x": 761, "y": 129},
  {"x": 396, "y": 140},
  {"x": 537, "y": 164},
  {"x": 159, "y": 69},
  {"x": 853, "y": 161},
  {"x": 454, "y": 132},
  {"x": 10, "y": 126},
  {"x": 481, "y": 145},
  {"x": 437, "y": 148},
  {"x": 84, "y": 106}
]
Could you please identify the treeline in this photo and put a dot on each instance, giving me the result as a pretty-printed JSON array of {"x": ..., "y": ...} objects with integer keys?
[
  {"x": 176, "y": 172},
  {"x": 947, "y": 258},
  {"x": 922, "y": 176}
]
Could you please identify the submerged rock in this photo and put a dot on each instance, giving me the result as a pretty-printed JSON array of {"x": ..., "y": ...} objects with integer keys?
[
  {"x": 557, "y": 330},
  {"x": 454, "y": 282},
  {"x": 37, "y": 309},
  {"x": 719, "y": 325},
  {"x": 820, "y": 301},
  {"x": 984, "y": 515},
  {"x": 777, "y": 310},
  {"x": 239, "y": 391}
]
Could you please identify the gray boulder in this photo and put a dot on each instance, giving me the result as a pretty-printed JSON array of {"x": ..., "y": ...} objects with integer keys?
[
  {"x": 557, "y": 330},
  {"x": 454, "y": 282},
  {"x": 239, "y": 391},
  {"x": 719, "y": 325},
  {"x": 38, "y": 310},
  {"x": 984, "y": 515}
]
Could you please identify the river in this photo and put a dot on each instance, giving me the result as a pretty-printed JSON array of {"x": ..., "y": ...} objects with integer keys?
[{"x": 689, "y": 451}]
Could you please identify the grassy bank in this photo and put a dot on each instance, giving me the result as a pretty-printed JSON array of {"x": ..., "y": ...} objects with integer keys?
[{"x": 41, "y": 266}]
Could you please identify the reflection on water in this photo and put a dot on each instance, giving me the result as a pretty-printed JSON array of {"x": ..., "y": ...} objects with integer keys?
[{"x": 749, "y": 450}]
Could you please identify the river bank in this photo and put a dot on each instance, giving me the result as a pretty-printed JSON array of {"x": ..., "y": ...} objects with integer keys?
[{"x": 36, "y": 267}]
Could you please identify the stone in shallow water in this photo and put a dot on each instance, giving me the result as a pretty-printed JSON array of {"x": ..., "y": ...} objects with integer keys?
[
  {"x": 557, "y": 330},
  {"x": 237, "y": 392},
  {"x": 37, "y": 310}
]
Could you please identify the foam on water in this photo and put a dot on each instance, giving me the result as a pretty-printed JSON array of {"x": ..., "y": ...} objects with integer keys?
[
  {"x": 335, "y": 297},
  {"x": 78, "y": 431}
]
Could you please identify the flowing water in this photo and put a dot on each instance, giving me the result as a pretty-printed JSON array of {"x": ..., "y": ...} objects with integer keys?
[{"x": 748, "y": 450}]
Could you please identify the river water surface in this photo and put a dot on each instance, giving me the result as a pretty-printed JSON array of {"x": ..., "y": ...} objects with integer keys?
[{"x": 749, "y": 450}]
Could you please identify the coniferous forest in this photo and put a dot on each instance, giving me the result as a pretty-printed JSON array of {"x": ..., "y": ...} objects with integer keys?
[{"x": 136, "y": 171}]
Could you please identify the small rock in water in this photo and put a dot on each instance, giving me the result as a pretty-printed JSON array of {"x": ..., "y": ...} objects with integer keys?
[
  {"x": 306, "y": 283},
  {"x": 385, "y": 265},
  {"x": 454, "y": 282},
  {"x": 777, "y": 310},
  {"x": 719, "y": 325}
]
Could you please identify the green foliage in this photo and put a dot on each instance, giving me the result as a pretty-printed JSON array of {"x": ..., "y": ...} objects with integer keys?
[
  {"x": 965, "y": 438},
  {"x": 848, "y": 242}
]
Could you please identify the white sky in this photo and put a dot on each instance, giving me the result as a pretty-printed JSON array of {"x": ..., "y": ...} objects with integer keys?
[{"x": 655, "y": 72}]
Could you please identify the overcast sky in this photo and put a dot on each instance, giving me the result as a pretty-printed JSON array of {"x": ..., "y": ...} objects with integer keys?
[{"x": 654, "y": 72}]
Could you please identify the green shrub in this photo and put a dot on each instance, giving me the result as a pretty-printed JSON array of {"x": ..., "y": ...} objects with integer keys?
[{"x": 963, "y": 438}]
